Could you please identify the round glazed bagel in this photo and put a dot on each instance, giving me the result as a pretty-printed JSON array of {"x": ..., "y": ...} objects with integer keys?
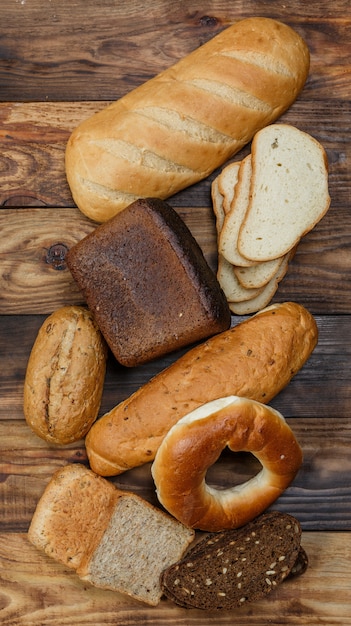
[{"x": 195, "y": 443}]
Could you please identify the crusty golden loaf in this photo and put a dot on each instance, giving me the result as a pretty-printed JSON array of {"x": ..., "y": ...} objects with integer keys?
[
  {"x": 255, "y": 359},
  {"x": 176, "y": 128}
]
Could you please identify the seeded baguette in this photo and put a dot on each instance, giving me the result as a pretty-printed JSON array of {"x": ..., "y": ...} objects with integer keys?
[
  {"x": 255, "y": 359},
  {"x": 175, "y": 129}
]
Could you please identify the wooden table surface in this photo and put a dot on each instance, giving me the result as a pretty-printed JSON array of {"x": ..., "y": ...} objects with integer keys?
[{"x": 61, "y": 60}]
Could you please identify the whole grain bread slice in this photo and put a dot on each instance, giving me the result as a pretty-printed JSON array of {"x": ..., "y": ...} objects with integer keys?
[
  {"x": 228, "y": 569},
  {"x": 288, "y": 193},
  {"x": 113, "y": 539}
]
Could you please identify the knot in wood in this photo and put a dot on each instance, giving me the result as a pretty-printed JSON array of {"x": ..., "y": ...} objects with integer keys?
[
  {"x": 208, "y": 20},
  {"x": 56, "y": 256}
]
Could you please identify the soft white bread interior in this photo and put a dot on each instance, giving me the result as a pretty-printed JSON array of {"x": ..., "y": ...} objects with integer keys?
[
  {"x": 175, "y": 129},
  {"x": 240, "y": 197},
  {"x": 111, "y": 538},
  {"x": 233, "y": 289},
  {"x": 270, "y": 211},
  {"x": 288, "y": 194}
]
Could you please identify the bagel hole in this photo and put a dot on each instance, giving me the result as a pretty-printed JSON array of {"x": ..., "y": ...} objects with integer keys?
[{"x": 231, "y": 469}]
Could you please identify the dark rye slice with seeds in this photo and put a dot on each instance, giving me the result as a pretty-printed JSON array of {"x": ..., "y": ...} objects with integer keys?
[{"x": 228, "y": 569}]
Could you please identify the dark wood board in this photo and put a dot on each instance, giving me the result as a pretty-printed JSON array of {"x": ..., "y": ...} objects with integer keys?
[{"x": 60, "y": 61}]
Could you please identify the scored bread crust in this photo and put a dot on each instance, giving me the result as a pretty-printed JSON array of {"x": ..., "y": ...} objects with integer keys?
[
  {"x": 195, "y": 443},
  {"x": 176, "y": 128},
  {"x": 255, "y": 359},
  {"x": 65, "y": 376}
]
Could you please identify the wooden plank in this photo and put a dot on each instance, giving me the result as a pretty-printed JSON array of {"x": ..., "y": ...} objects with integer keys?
[
  {"x": 96, "y": 53},
  {"x": 307, "y": 395},
  {"x": 33, "y": 137},
  {"x": 36, "y": 590},
  {"x": 319, "y": 496},
  {"x": 59, "y": 63},
  {"x": 34, "y": 277}
]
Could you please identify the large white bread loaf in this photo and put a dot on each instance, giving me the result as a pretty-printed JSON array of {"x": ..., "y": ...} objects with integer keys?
[{"x": 176, "y": 128}]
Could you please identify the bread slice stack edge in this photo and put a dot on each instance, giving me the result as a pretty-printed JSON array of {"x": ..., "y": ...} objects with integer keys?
[{"x": 263, "y": 206}]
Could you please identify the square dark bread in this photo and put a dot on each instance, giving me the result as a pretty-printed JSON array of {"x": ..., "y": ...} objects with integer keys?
[
  {"x": 147, "y": 283},
  {"x": 226, "y": 570}
]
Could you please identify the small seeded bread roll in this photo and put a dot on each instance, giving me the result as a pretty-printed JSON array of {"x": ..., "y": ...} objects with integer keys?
[{"x": 65, "y": 376}]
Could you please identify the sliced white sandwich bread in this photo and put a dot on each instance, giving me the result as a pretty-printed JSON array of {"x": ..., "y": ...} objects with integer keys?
[
  {"x": 264, "y": 295},
  {"x": 222, "y": 193},
  {"x": 233, "y": 289},
  {"x": 239, "y": 202},
  {"x": 288, "y": 192},
  {"x": 227, "y": 181},
  {"x": 113, "y": 539},
  {"x": 258, "y": 275},
  {"x": 269, "y": 212}
]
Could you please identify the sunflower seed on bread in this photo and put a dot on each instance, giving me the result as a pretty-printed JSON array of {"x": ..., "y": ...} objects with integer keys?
[{"x": 228, "y": 569}]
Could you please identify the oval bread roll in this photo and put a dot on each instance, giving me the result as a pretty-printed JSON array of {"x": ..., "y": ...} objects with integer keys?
[
  {"x": 255, "y": 359},
  {"x": 176, "y": 128},
  {"x": 65, "y": 376}
]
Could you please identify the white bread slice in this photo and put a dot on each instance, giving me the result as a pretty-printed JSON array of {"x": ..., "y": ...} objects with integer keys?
[
  {"x": 112, "y": 538},
  {"x": 222, "y": 192},
  {"x": 289, "y": 191},
  {"x": 217, "y": 205},
  {"x": 227, "y": 244},
  {"x": 265, "y": 295},
  {"x": 231, "y": 286},
  {"x": 258, "y": 275},
  {"x": 227, "y": 181}
]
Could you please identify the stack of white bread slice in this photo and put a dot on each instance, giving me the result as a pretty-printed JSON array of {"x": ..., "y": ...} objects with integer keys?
[{"x": 263, "y": 206}]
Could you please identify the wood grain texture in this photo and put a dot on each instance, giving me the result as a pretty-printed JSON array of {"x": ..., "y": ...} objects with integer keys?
[
  {"x": 36, "y": 591},
  {"x": 61, "y": 61}
]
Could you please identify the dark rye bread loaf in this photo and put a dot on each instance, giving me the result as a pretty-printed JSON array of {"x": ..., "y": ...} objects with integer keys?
[
  {"x": 147, "y": 283},
  {"x": 228, "y": 569}
]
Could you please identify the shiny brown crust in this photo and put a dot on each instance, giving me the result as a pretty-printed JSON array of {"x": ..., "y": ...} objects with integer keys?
[
  {"x": 195, "y": 443},
  {"x": 176, "y": 128},
  {"x": 255, "y": 359},
  {"x": 65, "y": 376}
]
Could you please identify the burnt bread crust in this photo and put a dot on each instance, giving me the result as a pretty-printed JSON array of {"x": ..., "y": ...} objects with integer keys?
[
  {"x": 148, "y": 284},
  {"x": 228, "y": 569}
]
